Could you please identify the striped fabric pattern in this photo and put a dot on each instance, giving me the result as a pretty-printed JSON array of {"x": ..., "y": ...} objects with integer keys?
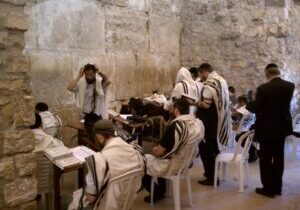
[
  {"x": 181, "y": 134},
  {"x": 222, "y": 104}
]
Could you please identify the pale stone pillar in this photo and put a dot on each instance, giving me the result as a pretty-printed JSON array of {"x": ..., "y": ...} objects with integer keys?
[{"x": 17, "y": 161}]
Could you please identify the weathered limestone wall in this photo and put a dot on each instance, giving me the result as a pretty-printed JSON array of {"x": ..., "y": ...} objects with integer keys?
[
  {"x": 17, "y": 162},
  {"x": 240, "y": 37},
  {"x": 135, "y": 42}
]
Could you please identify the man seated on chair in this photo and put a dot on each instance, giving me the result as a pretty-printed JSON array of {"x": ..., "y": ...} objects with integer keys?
[
  {"x": 180, "y": 133},
  {"x": 114, "y": 158},
  {"x": 46, "y": 120}
]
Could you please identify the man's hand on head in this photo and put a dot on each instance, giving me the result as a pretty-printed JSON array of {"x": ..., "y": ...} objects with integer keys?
[{"x": 81, "y": 72}]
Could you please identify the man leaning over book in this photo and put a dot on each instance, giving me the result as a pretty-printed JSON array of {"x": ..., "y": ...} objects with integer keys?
[{"x": 114, "y": 158}]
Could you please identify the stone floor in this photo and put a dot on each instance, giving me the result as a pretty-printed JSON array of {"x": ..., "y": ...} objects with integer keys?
[{"x": 226, "y": 196}]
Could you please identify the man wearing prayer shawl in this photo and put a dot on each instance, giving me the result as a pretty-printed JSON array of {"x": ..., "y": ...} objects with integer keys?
[
  {"x": 185, "y": 85},
  {"x": 90, "y": 87},
  {"x": 116, "y": 158},
  {"x": 214, "y": 111},
  {"x": 181, "y": 133}
]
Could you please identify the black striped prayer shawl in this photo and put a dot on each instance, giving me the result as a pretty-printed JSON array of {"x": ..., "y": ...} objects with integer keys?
[
  {"x": 180, "y": 139},
  {"x": 90, "y": 161},
  {"x": 221, "y": 100}
]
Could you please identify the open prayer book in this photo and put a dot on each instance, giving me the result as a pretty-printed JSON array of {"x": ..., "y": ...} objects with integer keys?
[{"x": 64, "y": 157}]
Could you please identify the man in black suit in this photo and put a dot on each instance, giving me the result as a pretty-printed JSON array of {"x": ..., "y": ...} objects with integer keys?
[{"x": 273, "y": 124}]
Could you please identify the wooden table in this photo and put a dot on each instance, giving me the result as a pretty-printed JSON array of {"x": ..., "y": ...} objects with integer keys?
[
  {"x": 133, "y": 125},
  {"x": 82, "y": 140},
  {"x": 57, "y": 172}
]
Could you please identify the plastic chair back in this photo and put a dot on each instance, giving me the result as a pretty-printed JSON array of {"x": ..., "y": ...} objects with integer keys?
[
  {"x": 296, "y": 122},
  {"x": 188, "y": 154},
  {"x": 127, "y": 186},
  {"x": 243, "y": 149}
]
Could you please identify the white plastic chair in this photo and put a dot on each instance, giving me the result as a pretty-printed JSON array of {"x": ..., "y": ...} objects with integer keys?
[
  {"x": 295, "y": 140},
  {"x": 239, "y": 158},
  {"x": 182, "y": 173},
  {"x": 44, "y": 177},
  {"x": 128, "y": 185}
]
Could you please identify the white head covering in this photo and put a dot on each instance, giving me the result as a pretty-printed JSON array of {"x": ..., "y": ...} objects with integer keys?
[{"x": 184, "y": 75}]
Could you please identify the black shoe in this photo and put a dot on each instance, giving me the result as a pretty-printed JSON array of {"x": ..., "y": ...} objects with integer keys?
[
  {"x": 147, "y": 199},
  {"x": 277, "y": 192},
  {"x": 208, "y": 182},
  {"x": 263, "y": 191}
]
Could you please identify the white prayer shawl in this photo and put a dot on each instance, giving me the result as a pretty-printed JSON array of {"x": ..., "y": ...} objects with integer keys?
[
  {"x": 100, "y": 91},
  {"x": 189, "y": 131},
  {"x": 115, "y": 159},
  {"x": 43, "y": 140},
  {"x": 50, "y": 122},
  {"x": 185, "y": 85},
  {"x": 219, "y": 89}
]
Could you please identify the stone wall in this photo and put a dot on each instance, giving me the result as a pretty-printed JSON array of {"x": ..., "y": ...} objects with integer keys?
[
  {"x": 17, "y": 162},
  {"x": 135, "y": 42},
  {"x": 240, "y": 37}
]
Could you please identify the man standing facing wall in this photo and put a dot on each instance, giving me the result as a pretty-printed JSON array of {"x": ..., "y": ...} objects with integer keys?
[{"x": 273, "y": 124}]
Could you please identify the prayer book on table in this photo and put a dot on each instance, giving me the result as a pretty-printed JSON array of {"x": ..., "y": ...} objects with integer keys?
[
  {"x": 113, "y": 113},
  {"x": 64, "y": 157}
]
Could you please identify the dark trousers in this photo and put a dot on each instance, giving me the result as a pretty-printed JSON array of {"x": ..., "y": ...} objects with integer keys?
[
  {"x": 271, "y": 163},
  {"x": 209, "y": 150},
  {"x": 159, "y": 189},
  {"x": 89, "y": 121}
]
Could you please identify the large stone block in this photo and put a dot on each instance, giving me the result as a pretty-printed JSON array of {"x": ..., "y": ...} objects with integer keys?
[
  {"x": 161, "y": 7},
  {"x": 160, "y": 71},
  {"x": 126, "y": 75},
  {"x": 12, "y": 86},
  {"x": 23, "y": 111},
  {"x": 13, "y": 17},
  {"x": 168, "y": 67},
  {"x": 16, "y": 64},
  {"x": 20, "y": 191},
  {"x": 7, "y": 170},
  {"x": 69, "y": 25},
  {"x": 16, "y": 40},
  {"x": 6, "y": 116},
  {"x": 3, "y": 39},
  {"x": 165, "y": 34},
  {"x": 142, "y": 5},
  {"x": 147, "y": 74},
  {"x": 17, "y": 2},
  {"x": 25, "y": 164},
  {"x": 50, "y": 74},
  {"x": 126, "y": 31},
  {"x": 18, "y": 141},
  {"x": 276, "y": 3}
]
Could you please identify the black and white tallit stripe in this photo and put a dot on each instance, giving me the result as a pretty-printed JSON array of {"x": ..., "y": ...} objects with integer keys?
[
  {"x": 182, "y": 134},
  {"x": 221, "y": 104}
]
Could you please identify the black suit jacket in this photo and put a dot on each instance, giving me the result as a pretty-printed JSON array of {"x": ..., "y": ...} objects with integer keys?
[{"x": 272, "y": 108}]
